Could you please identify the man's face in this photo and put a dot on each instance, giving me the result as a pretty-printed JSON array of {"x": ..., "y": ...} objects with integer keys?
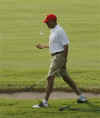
[{"x": 51, "y": 24}]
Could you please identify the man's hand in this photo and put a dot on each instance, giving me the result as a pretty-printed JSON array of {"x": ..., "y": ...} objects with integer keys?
[{"x": 39, "y": 46}]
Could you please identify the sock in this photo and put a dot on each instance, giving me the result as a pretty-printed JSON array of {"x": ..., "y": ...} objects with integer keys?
[
  {"x": 45, "y": 101},
  {"x": 81, "y": 96}
]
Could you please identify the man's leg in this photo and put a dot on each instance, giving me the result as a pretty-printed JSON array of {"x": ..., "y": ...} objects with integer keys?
[
  {"x": 44, "y": 103},
  {"x": 72, "y": 84},
  {"x": 50, "y": 83}
]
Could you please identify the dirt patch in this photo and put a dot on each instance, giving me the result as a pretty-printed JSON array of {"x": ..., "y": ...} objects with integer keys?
[{"x": 40, "y": 95}]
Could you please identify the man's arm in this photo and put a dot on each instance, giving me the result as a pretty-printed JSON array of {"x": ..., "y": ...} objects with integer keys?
[
  {"x": 42, "y": 46},
  {"x": 66, "y": 51}
]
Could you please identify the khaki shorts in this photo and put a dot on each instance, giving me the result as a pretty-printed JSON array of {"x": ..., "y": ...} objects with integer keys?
[{"x": 58, "y": 65}]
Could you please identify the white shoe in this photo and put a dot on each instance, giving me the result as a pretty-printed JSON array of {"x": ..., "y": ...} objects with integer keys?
[
  {"x": 40, "y": 105},
  {"x": 82, "y": 99}
]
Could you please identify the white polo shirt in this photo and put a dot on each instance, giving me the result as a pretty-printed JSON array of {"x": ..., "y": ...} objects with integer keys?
[{"x": 57, "y": 39}]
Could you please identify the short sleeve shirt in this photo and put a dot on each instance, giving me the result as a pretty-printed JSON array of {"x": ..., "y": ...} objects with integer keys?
[{"x": 57, "y": 39}]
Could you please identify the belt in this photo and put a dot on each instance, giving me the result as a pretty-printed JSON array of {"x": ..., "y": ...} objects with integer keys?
[{"x": 57, "y": 53}]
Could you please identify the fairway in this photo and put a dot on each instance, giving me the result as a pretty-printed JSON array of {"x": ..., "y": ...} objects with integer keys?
[{"x": 22, "y": 65}]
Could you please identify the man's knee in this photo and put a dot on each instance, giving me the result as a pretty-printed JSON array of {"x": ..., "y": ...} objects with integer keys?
[
  {"x": 64, "y": 76},
  {"x": 51, "y": 77}
]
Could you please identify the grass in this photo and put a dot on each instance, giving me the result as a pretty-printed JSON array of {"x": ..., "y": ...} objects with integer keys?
[
  {"x": 22, "y": 65},
  {"x": 22, "y": 109}
]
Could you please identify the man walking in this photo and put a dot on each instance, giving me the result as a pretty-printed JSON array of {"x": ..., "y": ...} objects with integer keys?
[{"x": 58, "y": 46}]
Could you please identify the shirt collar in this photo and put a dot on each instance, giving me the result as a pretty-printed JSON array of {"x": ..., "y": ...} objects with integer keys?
[{"x": 56, "y": 27}]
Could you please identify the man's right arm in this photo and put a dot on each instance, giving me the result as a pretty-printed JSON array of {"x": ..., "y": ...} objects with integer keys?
[{"x": 40, "y": 46}]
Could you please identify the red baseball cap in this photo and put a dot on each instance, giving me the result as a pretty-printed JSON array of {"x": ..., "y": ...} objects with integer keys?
[{"x": 50, "y": 17}]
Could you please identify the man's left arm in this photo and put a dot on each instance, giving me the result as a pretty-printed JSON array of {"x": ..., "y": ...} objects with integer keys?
[{"x": 66, "y": 51}]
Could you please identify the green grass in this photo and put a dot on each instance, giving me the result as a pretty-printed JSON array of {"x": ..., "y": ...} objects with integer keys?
[
  {"x": 22, "y": 65},
  {"x": 23, "y": 109}
]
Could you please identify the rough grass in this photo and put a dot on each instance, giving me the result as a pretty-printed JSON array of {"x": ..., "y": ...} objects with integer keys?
[{"x": 22, "y": 65}]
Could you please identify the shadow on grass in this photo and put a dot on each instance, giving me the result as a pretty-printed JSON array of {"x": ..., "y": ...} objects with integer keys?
[{"x": 72, "y": 107}]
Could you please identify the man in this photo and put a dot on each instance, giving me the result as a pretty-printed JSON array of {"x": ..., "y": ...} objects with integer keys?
[{"x": 58, "y": 45}]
